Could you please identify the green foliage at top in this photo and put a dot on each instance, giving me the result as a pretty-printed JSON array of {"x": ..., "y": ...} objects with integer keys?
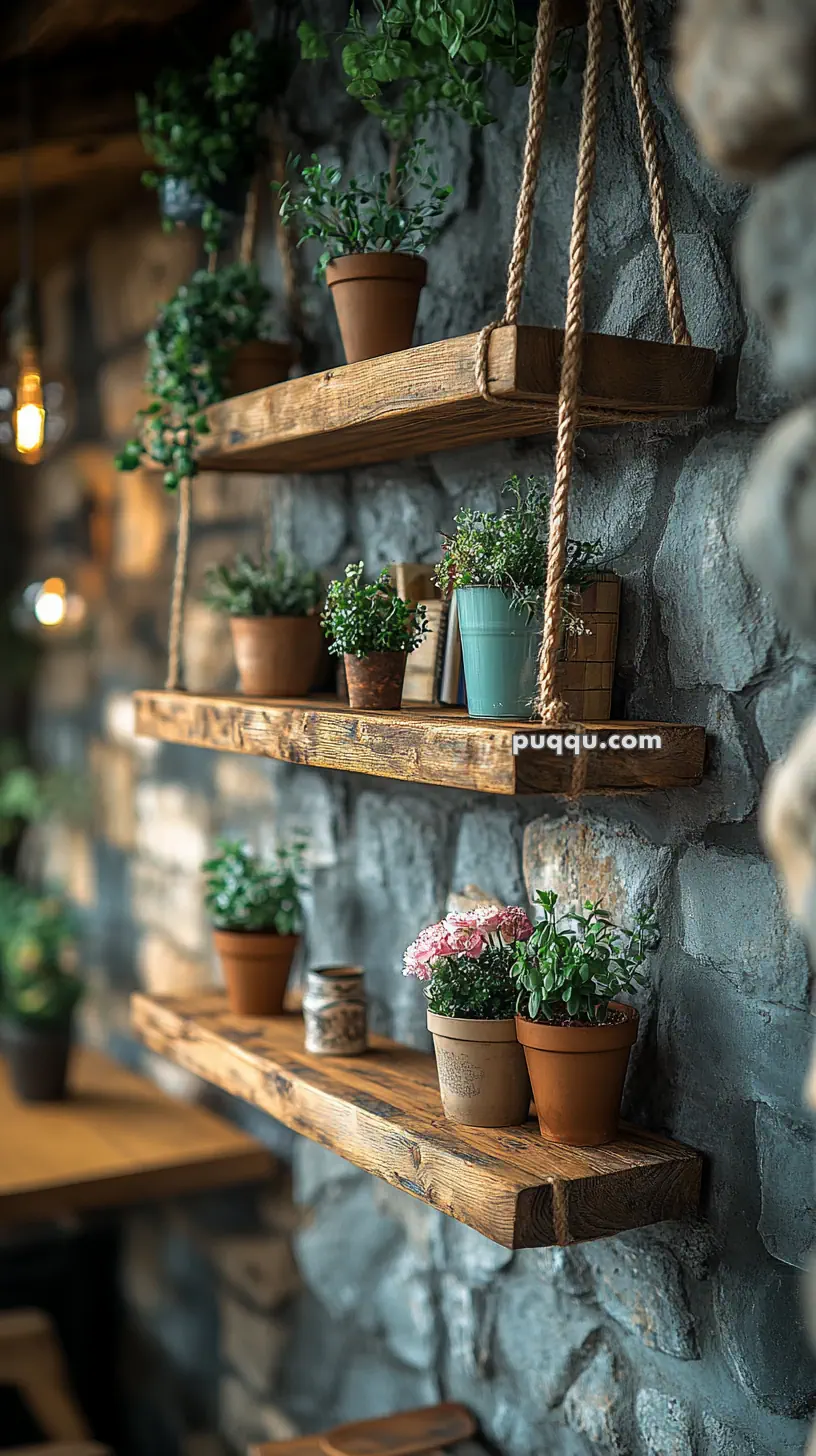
[
  {"x": 28, "y": 797},
  {"x": 360, "y": 617},
  {"x": 510, "y": 551},
  {"x": 420, "y": 56},
  {"x": 242, "y": 893},
  {"x": 189, "y": 355},
  {"x": 481, "y": 990},
  {"x": 37, "y": 957},
  {"x": 201, "y": 127},
  {"x": 279, "y": 586},
  {"x": 378, "y": 218},
  {"x": 574, "y": 965}
]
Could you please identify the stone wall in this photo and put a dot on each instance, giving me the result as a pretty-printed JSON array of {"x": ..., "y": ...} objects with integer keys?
[{"x": 681, "y": 1340}]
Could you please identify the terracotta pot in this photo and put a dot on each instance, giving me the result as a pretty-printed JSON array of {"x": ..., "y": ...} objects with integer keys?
[
  {"x": 256, "y": 968},
  {"x": 37, "y": 1058},
  {"x": 277, "y": 657},
  {"x": 334, "y": 1011},
  {"x": 257, "y": 365},
  {"x": 578, "y": 1074},
  {"x": 376, "y": 296},
  {"x": 483, "y": 1080},
  {"x": 375, "y": 681}
]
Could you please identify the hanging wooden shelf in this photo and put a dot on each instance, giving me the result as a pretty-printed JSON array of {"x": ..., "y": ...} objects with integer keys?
[
  {"x": 425, "y": 745},
  {"x": 382, "y": 1112},
  {"x": 423, "y": 400}
]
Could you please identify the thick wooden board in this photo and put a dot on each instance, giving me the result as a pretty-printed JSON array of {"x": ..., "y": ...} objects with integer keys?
[
  {"x": 425, "y": 399},
  {"x": 382, "y": 1112},
  {"x": 408, "y": 1433},
  {"x": 118, "y": 1139},
  {"x": 425, "y": 745}
]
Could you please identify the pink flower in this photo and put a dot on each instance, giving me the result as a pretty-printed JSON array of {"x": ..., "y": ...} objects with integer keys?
[
  {"x": 514, "y": 925},
  {"x": 433, "y": 943},
  {"x": 481, "y": 917}
]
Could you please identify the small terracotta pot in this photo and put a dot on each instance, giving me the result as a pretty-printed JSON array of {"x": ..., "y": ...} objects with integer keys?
[
  {"x": 257, "y": 365},
  {"x": 277, "y": 657},
  {"x": 376, "y": 296},
  {"x": 483, "y": 1080},
  {"x": 37, "y": 1058},
  {"x": 375, "y": 681},
  {"x": 334, "y": 1011},
  {"x": 578, "y": 1074},
  {"x": 256, "y": 968}
]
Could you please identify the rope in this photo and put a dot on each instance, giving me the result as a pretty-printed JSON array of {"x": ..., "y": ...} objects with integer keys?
[
  {"x": 525, "y": 207},
  {"x": 285, "y": 239},
  {"x": 661, "y": 220},
  {"x": 250, "y": 226},
  {"x": 548, "y": 704},
  {"x": 174, "y": 675}
]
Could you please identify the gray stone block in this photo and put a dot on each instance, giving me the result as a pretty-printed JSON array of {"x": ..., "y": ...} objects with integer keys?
[
  {"x": 718, "y": 626},
  {"x": 776, "y": 524},
  {"x": 405, "y": 1310},
  {"x": 488, "y": 854},
  {"x": 398, "y": 513},
  {"x": 597, "y": 1404},
  {"x": 527, "y": 1314},
  {"x": 664, "y": 1424},
  {"x": 782, "y": 707},
  {"x": 759, "y": 1313},
  {"x": 640, "y": 1284},
  {"x": 777, "y": 256},
  {"x": 759, "y": 397},
  {"x": 342, "y": 1271},
  {"x": 734, "y": 917},
  {"x": 787, "y": 1222},
  {"x": 637, "y": 308}
]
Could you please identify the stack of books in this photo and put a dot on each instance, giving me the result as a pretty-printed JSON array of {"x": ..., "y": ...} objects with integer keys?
[{"x": 433, "y": 674}]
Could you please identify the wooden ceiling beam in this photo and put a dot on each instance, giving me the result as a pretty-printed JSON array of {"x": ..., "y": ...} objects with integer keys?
[{"x": 72, "y": 162}]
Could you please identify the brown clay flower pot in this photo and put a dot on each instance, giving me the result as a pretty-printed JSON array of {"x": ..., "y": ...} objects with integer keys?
[
  {"x": 256, "y": 968},
  {"x": 483, "y": 1080},
  {"x": 257, "y": 365},
  {"x": 376, "y": 296},
  {"x": 375, "y": 681},
  {"x": 578, "y": 1074},
  {"x": 37, "y": 1059},
  {"x": 277, "y": 657}
]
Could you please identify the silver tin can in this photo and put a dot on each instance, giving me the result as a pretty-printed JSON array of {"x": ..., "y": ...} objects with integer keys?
[{"x": 334, "y": 1011}]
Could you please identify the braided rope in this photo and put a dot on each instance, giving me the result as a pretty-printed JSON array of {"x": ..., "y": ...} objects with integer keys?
[
  {"x": 246, "y": 247},
  {"x": 548, "y": 704},
  {"x": 525, "y": 207},
  {"x": 659, "y": 208},
  {"x": 174, "y": 674}
]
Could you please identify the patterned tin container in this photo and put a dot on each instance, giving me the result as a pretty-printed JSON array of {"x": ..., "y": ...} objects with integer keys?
[{"x": 334, "y": 1011}]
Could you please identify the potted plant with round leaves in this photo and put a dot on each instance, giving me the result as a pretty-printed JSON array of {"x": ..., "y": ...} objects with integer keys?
[
  {"x": 39, "y": 992},
  {"x": 373, "y": 629},
  {"x": 576, "y": 1035},
  {"x": 274, "y": 616},
  {"x": 256, "y": 913},
  {"x": 497, "y": 566},
  {"x": 373, "y": 237},
  {"x": 201, "y": 127},
  {"x": 206, "y": 346},
  {"x": 464, "y": 964}
]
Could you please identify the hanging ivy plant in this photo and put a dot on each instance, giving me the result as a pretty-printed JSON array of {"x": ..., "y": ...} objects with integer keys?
[
  {"x": 190, "y": 353},
  {"x": 202, "y": 128},
  {"x": 430, "y": 55}
]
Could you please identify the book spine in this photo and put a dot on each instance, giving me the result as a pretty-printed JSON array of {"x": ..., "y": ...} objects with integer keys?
[{"x": 452, "y": 660}]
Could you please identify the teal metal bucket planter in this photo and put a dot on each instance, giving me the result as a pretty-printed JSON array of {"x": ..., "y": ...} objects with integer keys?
[{"x": 499, "y": 651}]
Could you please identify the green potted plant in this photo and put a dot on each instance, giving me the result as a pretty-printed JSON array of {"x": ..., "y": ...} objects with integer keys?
[
  {"x": 576, "y": 1035},
  {"x": 39, "y": 991},
  {"x": 497, "y": 566},
  {"x": 464, "y": 964},
  {"x": 256, "y": 913},
  {"x": 274, "y": 615},
  {"x": 372, "y": 239},
  {"x": 204, "y": 348},
  {"x": 373, "y": 629},
  {"x": 201, "y": 127}
]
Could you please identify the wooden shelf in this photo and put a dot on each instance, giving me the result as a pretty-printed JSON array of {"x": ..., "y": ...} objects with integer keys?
[
  {"x": 382, "y": 1112},
  {"x": 117, "y": 1139},
  {"x": 423, "y": 400},
  {"x": 423, "y": 745}
]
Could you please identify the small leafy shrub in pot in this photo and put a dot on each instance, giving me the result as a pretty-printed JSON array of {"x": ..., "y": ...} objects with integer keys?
[
  {"x": 464, "y": 963},
  {"x": 372, "y": 237},
  {"x": 497, "y": 565},
  {"x": 40, "y": 990},
  {"x": 274, "y": 613},
  {"x": 256, "y": 913},
  {"x": 576, "y": 1035},
  {"x": 373, "y": 629},
  {"x": 191, "y": 353}
]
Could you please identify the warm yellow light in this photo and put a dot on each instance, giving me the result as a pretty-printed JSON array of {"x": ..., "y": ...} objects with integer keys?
[
  {"x": 51, "y": 604},
  {"x": 29, "y": 416}
]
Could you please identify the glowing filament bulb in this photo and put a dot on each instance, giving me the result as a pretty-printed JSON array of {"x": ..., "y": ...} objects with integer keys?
[
  {"x": 51, "y": 605},
  {"x": 29, "y": 416}
]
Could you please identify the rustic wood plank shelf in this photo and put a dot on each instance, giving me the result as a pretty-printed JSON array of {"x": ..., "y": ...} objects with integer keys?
[
  {"x": 382, "y": 1112},
  {"x": 425, "y": 745},
  {"x": 426, "y": 399}
]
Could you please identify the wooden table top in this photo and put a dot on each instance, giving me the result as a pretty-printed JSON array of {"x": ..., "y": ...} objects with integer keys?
[{"x": 117, "y": 1139}]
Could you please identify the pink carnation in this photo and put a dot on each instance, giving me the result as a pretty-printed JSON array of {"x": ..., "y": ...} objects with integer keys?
[
  {"x": 515, "y": 925},
  {"x": 482, "y": 917},
  {"x": 433, "y": 943}
]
